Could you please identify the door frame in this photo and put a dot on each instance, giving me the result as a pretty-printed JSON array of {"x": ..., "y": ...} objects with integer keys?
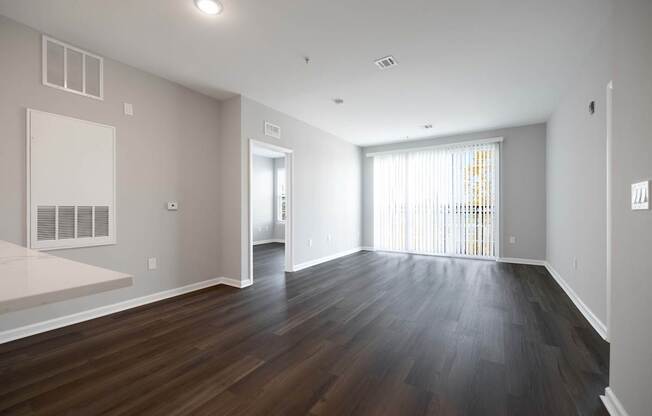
[{"x": 289, "y": 222}]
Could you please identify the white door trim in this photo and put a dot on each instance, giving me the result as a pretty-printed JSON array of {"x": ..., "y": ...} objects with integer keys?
[{"x": 289, "y": 223}]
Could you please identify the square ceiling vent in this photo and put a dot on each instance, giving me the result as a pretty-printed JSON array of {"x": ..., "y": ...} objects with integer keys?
[{"x": 386, "y": 62}]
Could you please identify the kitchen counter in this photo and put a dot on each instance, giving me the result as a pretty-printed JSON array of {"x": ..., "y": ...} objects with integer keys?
[{"x": 31, "y": 278}]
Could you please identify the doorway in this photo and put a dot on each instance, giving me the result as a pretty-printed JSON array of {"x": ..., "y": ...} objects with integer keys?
[{"x": 270, "y": 211}]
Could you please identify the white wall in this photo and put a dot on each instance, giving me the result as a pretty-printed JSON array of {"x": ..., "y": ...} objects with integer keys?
[
  {"x": 630, "y": 374},
  {"x": 523, "y": 183},
  {"x": 262, "y": 198},
  {"x": 167, "y": 151},
  {"x": 576, "y": 181}
]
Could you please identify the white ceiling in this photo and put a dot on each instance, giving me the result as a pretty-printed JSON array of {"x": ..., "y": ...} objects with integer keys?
[{"x": 464, "y": 65}]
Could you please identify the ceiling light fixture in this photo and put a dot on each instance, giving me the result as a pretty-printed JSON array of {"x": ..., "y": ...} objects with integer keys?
[
  {"x": 209, "y": 6},
  {"x": 427, "y": 126},
  {"x": 338, "y": 101}
]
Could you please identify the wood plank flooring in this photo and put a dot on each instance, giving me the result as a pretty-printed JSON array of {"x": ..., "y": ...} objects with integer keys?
[{"x": 367, "y": 334}]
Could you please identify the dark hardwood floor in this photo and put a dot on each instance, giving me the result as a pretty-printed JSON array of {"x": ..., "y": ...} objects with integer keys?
[{"x": 367, "y": 334}]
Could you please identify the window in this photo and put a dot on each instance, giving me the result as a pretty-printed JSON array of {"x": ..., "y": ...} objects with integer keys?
[
  {"x": 438, "y": 201},
  {"x": 281, "y": 203},
  {"x": 71, "y": 69}
]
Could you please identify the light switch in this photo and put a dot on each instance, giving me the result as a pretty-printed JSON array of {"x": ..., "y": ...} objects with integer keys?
[
  {"x": 641, "y": 195},
  {"x": 151, "y": 263},
  {"x": 129, "y": 109},
  {"x": 173, "y": 206},
  {"x": 512, "y": 240}
]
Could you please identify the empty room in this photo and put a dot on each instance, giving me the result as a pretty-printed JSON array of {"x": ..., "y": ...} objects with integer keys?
[{"x": 248, "y": 207}]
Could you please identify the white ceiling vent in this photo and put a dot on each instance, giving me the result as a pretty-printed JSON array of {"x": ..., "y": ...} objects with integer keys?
[
  {"x": 272, "y": 130},
  {"x": 386, "y": 62}
]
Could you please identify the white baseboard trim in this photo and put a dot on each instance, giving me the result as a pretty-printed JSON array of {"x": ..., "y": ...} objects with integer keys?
[
  {"x": 240, "y": 284},
  {"x": 39, "y": 327},
  {"x": 516, "y": 260},
  {"x": 271, "y": 240},
  {"x": 600, "y": 327},
  {"x": 367, "y": 248},
  {"x": 613, "y": 405},
  {"x": 315, "y": 262}
]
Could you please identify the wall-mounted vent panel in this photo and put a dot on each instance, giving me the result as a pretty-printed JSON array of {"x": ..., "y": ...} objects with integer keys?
[
  {"x": 72, "y": 69},
  {"x": 272, "y": 130},
  {"x": 386, "y": 62},
  {"x": 71, "y": 186}
]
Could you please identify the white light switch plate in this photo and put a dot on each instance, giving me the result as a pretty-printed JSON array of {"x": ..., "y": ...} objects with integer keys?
[
  {"x": 641, "y": 195},
  {"x": 129, "y": 109}
]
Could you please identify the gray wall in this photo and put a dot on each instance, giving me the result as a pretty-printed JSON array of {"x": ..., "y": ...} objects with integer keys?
[
  {"x": 262, "y": 197},
  {"x": 576, "y": 157},
  {"x": 523, "y": 184},
  {"x": 167, "y": 151},
  {"x": 631, "y": 346},
  {"x": 229, "y": 183},
  {"x": 326, "y": 182}
]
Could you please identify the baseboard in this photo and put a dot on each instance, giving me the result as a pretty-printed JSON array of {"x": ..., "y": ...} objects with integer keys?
[
  {"x": 37, "y": 328},
  {"x": 613, "y": 405},
  {"x": 516, "y": 260},
  {"x": 315, "y": 262},
  {"x": 600, "y": 327},
  {"x": 367, "y": 248},
  {"x": 271, "y": 240},
  {"x": 240, "y": 284}
]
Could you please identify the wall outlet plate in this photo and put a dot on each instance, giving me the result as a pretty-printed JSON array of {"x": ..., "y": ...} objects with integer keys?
[
  {"x": 151, "y": 263},
  {"x": 641, "y": 195},
  {"x": 173, "y": 206}
]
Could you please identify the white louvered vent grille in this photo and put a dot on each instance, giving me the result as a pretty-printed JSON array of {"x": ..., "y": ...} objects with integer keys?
[
  {"x": 386, "y": 62},
  {"x": 102, "y": 221},
  {"x": 69, "y": 222},
  {"x": 272, "y": 130},
  {"x": 84, "y": 222},
  {"x": 66, "y": 222},
  {"x": 71, "y": 69},
  {"x": 46, "y": 222}
]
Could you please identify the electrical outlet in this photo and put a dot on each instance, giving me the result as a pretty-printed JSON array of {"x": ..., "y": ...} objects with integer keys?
[
  {"x": 310, "y": 242},
  {"x": 512, "y": 239},
  {"x": 151, "y": 263}
]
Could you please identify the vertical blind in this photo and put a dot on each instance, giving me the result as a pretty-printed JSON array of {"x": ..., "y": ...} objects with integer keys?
[{"x": 438, "y": 201}]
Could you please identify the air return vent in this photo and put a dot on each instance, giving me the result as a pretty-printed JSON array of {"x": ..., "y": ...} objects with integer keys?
[
  {"x": 272, "y": 130},
  {"x": 71, "y": 191},
  {"x": 386, "y": 62}
]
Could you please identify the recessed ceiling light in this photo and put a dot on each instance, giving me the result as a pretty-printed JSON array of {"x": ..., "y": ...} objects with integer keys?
[{"x": 209, "y": 6}]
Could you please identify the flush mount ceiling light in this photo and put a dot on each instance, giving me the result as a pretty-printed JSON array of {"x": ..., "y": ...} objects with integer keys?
[
  {"x": 209, "y": 6},
  {"x": 338, "y": 101},
  {"x": 427, "y": 126}
]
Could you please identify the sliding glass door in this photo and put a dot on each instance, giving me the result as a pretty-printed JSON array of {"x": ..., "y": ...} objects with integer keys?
[{"x": 440, "y": 200}]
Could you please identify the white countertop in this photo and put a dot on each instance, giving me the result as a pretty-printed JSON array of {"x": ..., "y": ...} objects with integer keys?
[{"x": 30, "y": 278}]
